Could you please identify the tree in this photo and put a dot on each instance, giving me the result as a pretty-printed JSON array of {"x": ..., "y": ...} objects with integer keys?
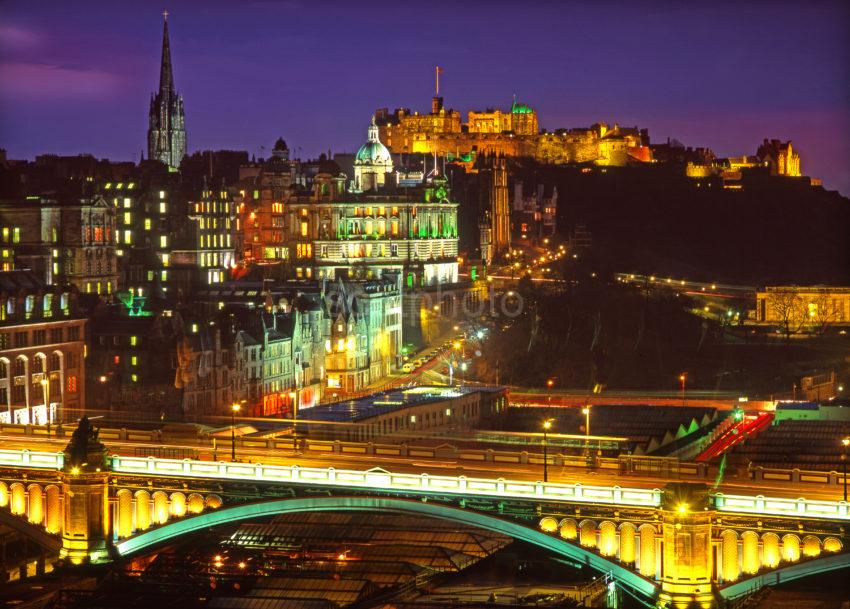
[{"x": 787, "y": 308}]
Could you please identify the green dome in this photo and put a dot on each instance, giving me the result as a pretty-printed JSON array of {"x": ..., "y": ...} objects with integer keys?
[{"x": 373, "y": 152}]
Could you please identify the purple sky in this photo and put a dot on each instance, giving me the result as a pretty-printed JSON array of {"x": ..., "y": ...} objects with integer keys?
[{"x": 77, "y": 76}]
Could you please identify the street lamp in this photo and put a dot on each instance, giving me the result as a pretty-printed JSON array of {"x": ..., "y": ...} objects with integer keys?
[
  {"x": 294, "y": 397},
  {"x": 682, "y": 379},
  {"x": 45, "y": 387},
  {"x": 844, "y": 442},
  {"x": 547, "y": 425},
  {"x": 586, "y": 412},
  {"x": 234, "y": 408}
]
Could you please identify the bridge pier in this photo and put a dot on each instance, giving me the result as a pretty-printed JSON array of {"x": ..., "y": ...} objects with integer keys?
[
  {"x": 686, "y": 576},
  {"x": 85, "y": 485}
]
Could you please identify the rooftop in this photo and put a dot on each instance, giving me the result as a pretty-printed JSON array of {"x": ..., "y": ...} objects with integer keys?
[{"x": 389, "y": 401}]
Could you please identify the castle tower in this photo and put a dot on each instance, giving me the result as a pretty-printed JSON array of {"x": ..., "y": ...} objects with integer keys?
[{"x": 166, "y": 121}]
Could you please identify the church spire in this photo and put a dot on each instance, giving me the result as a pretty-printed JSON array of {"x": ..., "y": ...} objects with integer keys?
[
  {"x": 166, "y": 120},
  {"x": 166, "y": 76}
]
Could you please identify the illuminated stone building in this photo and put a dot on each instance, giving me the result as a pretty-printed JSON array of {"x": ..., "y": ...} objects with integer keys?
[
  {"x": 63, "y": 238},
  {"x": 795, "y": 308},
  {"x": 211, "y": 233},
  {"x": 408, "y": 232},
  {"x": 495, "y": 219},
  {"x": 512, "y": 133},
  {"x": 166, "y": 120},
  {"x": 42, "y": 350},
  {"x": 262, "y": 189},
  {"x": 364, "y": 338},
  {"x": 781, "y": 157}
]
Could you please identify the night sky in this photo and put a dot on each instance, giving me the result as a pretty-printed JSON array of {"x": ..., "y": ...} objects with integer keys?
[{"x": 77, "y": 76}]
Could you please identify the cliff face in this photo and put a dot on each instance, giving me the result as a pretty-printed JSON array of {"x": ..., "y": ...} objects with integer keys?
[{"x": 655, "y": 220}]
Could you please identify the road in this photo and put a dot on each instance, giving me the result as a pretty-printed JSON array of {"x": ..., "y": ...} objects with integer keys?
[{"x": 419, "y": 465}]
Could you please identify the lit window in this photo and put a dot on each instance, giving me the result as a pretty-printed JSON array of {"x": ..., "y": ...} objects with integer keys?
[
  {"x": 147, "y": 223},
  {"x": 128, "y": 217},
  {"x": 126, "y": 202},
  {"x": 162, "y": 207},
  {"x": 161, "y": 194},
  {"x": 134, "y": 377},
  {"x": 133, "y": 341},
  {"x": 134, "y": 360},
  {"x": 163, "y": 241}
]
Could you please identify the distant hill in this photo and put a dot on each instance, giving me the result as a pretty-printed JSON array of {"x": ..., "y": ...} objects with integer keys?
[{"x": 653, "y": 219}]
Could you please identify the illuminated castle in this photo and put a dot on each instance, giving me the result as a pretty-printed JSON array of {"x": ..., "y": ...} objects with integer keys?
[{"x": 507, "y": 133}]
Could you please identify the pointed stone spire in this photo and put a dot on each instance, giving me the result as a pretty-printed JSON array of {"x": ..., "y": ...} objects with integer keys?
[
  {"x": 166, "y": 76},
  {"x": 166, "y": 119}
]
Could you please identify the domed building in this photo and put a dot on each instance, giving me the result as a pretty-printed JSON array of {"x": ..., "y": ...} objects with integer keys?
[{"x": 372, "y": 162}]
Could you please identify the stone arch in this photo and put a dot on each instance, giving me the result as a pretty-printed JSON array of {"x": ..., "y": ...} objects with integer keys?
[
  {"x": 160, "y": 507},
  {"x": 770, "y": 555},
  {"x": 4, "y": 494},
  {"x": 587, "y": 533},
  {"x": 790, "y": 548},
  {"x": 750, "y": 562},
  {"x": 608, "y": 539},
  {"x": 548, "y": 524},
  {"x": 811, "y": 546},
  {"x": 567, "y": 528},
  {"x": 124, "y": 526},
  {"x": 832, "y": 544},
  {"x": 729, "y": 555},
  {"x": 529, "y": 533},
  {"x": 195, "y": 503},
  {"x": 143, "y": 510},
  {"x": 18, "y": 499},
  {"x": 647, "y": 550},
  {"x": 35, "y": 504},
  {"x": 627, "y": 542},
  {"x": 178, "y": 505},
  {"x": 53, "y": 500},
  {"x": 213, "y": 502}
]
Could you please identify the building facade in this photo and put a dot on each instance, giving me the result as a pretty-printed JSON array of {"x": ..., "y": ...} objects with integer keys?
[
  {"x": 796, "y": 308},
  {"x": 42, "y": 350},
  {"x": 511, "y": 134},
  {"x": 65, "y": 239},
  {"x": 410, "y": 233}
]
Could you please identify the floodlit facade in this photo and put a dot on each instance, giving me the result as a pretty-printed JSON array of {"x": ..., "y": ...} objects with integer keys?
[
  {"x": 42, "y": 350},
  {"x": 795, "y": 308}
]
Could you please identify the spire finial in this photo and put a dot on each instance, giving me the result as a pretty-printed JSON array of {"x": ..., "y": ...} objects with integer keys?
[{"x": 166, "y": 76}]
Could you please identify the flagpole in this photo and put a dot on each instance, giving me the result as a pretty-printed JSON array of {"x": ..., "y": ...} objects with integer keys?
[{"x": 437, "y": 70}]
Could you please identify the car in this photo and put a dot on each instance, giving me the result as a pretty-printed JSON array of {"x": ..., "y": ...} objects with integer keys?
[{"x": 407, "y": 367}]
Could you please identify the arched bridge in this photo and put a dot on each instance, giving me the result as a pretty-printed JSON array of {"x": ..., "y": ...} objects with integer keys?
[{"x": 681, "y": 543}]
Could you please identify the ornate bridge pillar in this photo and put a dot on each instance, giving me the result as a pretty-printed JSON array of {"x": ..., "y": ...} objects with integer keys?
[
  {"x": 686, "y": 576},
  {"x": 85, "y": 487}
]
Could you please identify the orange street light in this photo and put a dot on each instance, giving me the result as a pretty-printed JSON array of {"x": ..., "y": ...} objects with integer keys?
[{"x": 234, "y": 408}]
